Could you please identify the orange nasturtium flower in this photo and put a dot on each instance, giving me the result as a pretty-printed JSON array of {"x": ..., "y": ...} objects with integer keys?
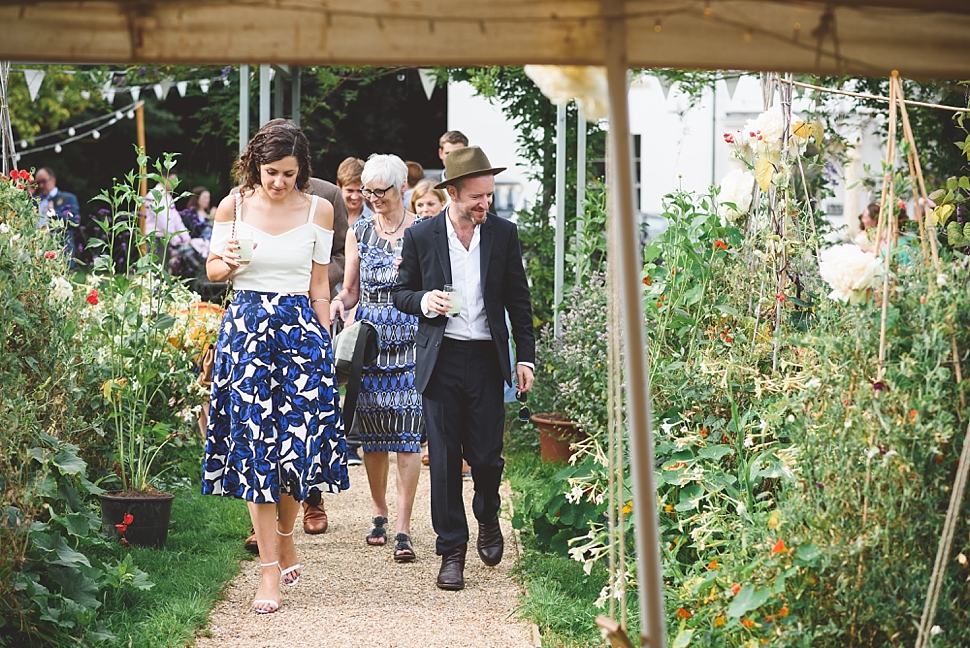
[
  {"x": 779, "y": 548},
  {"x": 712, "y": 564},
  {"x": 747, "y": 623},
  {"x": 783, "y": 612},
  {"x": 720, "y": 245},
  {"x": 735, "y": 588},
  {"x": 719, "y": 621},
  {"x": 683, "y": 614},
  {"x": 628, "y": 508}
]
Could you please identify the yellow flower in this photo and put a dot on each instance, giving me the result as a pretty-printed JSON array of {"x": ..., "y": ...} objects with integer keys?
[{"x": 628, "y": 508}]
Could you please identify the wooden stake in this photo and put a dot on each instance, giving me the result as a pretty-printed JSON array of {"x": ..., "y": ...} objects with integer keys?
[{"x": 143, "y": 185}]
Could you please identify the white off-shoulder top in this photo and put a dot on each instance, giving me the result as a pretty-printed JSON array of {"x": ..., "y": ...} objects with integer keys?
[{"x": 281, "y": 263}]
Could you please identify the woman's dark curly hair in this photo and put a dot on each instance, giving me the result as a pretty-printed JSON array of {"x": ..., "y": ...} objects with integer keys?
[{"x": 278, "y": 139}]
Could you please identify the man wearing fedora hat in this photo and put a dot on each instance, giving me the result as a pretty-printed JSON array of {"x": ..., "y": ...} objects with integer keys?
[{"x": 463, "y": 360}]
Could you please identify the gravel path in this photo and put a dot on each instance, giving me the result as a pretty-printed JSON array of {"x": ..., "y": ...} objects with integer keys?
[{"x": 354, "y": 595}]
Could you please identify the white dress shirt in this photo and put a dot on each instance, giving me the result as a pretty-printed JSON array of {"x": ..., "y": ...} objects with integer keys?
[{"x": 466, "y": 274}]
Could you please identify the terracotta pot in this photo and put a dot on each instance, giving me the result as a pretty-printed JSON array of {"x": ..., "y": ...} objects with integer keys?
[
  {"x": 555, "y": 435},
  {"x": 151, "y": 510}
]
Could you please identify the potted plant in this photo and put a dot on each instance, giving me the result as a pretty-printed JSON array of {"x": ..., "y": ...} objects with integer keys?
[
  {"x": 129, "y": 322},
  {"x": 569, "y": 395}
]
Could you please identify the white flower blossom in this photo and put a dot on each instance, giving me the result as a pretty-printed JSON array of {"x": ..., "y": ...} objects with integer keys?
[
  {"x": 563, "y": 83},
  {"x": 813, "y": 383},
  {"x": 61, "y": 289},
  {"x": 737, "y": 188},
  {"x": 935, "y": 630},
  {"x": 4, "y": 228},
  {"x": 849, "y": 271},
  {"x": 766, "y": 130},
  {"x": 940, "y": 281},
  {"x": 574, "y": 495}
]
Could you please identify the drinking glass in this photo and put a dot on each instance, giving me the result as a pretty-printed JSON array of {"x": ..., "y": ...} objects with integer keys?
[
  {"x": 245, "y": 247},
  {"x": 398, "y": 248},
  {"x": 454, "y": 292}
]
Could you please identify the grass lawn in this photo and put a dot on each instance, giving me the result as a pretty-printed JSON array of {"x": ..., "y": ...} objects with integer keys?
[
  {"x": 559, "y": 595},
  {"x": 202, "y": 554}
]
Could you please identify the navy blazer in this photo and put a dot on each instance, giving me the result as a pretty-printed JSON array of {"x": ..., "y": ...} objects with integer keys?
[{"x": 426, "y": 265}]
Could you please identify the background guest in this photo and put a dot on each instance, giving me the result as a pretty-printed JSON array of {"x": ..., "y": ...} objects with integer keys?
[
  {"x": 415, "y": 175},
  {"x": 388, "y": 413},
  {"x": 348, "y": 179},
  {"x": 67, "y": 211}
]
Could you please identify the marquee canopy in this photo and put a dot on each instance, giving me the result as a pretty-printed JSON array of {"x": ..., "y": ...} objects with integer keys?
[{"x": 920, "y": 38}]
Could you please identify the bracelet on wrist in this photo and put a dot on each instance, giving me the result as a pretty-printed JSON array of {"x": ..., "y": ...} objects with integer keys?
[
  {"x": 338, "y": 299},
  {"x": 318, "y": 299}
]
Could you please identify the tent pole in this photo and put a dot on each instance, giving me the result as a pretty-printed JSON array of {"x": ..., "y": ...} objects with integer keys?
[
  {"x": 559, "y": 273},
  {"x": 243, "y": 107},
  {"x": 626, "y": 242},
  {"x": 580, "y": 187},
  {"x": 264, "y": 93}
]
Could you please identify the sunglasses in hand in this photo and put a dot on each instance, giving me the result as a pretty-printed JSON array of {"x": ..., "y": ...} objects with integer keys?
[{"x": 524, "y": 413}]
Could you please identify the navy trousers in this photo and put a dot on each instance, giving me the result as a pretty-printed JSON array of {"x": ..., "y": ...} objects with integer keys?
[{"x": 464, "y": 413}]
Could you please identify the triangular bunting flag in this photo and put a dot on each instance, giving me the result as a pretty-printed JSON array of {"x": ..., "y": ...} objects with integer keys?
[
  {"x": 34, "y": 78},
  {"x": 135, "y": 92},
  {"x": 204, "y": 86},
  {"x": 664, "y": 85},
  {"x": 108, "y": 93},
  {"x": 158, "y": 91},
  {"x": 428, "y": 81},
  {"x": 272, "y": 73},
  {"x": 166, "y": 85},
  {"x": 182, "y": 86},
  {"x": 732, "y": 84}
]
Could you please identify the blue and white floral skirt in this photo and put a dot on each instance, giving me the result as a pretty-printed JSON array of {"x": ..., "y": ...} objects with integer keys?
[{"x": 274, "y": 422}]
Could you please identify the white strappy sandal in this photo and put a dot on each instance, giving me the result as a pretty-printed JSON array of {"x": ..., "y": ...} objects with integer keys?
[
  {"x": 288, "y": 570},
  {"x": 273, "y": 605}
]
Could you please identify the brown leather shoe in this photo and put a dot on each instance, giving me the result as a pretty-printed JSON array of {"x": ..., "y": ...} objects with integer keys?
[
  {"x": 451, "y": 576},
  {"x": 491, "y": 544},
  {"x": 315, "y": 519},
  {"x": 250, "y": 544}
]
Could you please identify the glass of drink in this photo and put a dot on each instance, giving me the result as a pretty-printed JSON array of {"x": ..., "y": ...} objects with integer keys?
[
  {"x": 398, "y": 248},
  {"x": 454, "y": 292},
  {"x": 245, "y": 247}
]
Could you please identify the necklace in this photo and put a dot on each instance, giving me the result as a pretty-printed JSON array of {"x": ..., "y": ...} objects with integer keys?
[{"x": 387, "y": 231}]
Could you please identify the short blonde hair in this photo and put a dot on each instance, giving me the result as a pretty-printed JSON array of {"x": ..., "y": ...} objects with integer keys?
[
  {"x": 349, "y": 171},
  {"x": 421, "y": 189}
]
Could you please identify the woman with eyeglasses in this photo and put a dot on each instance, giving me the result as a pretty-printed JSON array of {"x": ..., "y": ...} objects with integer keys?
[{"x": 388, "y": 413}]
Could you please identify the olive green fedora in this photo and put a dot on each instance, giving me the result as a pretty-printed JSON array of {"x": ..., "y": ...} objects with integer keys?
[{"x": 466, "y": 162}]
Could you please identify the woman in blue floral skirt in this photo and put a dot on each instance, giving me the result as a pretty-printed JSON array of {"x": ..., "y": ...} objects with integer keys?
[{"x": 275, "y": 436}]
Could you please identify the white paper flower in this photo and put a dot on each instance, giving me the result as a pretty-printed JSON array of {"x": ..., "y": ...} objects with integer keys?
[
  {"x": 61, "y": 289},
  {"x": 766, "y": 131},
  {"x": 737, "y": 188},
  {"x": 849, "y": 272},
  {"x": 563, "y": 83}
]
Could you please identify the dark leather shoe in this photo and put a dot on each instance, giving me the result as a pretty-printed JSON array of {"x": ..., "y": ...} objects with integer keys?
[
  {"x": 315, "y": 519},
  {"x": 250, "y": 544},
  {"x": 491, "y": 544},
  {"x": 451, "y": 576}
]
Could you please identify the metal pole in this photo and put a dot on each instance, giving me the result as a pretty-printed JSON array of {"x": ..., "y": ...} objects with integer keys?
[
  {"x": 263, "y": 95},
  {"x": 627, "y": 240},
  {"x": 9, "y": 152},
  {"x": 277, "y": 95},
  {"x": 243, "y": 107},
  {"x": 560, "y": 261},
  {"x": 713, "y": 131},
  {"x": 295, "y": 91},
  {"x": 580, "y": 185}
]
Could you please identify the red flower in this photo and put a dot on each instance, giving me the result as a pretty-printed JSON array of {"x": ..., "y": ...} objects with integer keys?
[
  {"x": 683, "y": 614},
  {"x": 92, "y": 298},
  {"x": 647, "y": 281},
  {"x": 121, "y": 527},
  {"x": 50, "y": 255},
  {"x": 735, "y": 588},
  {"x": 780, "y": 297},
  {"x": 729, "y": 138},
  {"x": 15, "y": 175},
  {"x": 779, "y": 547},
  {"x": 129, "y": 518},
  {"x": 125, "y": 543},
  {"x": 720, "y": 245},
  {"x": 747, "y": 623}
]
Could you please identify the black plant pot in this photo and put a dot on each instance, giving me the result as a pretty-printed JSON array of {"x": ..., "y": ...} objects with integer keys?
[{"x": 151, "y": 512}]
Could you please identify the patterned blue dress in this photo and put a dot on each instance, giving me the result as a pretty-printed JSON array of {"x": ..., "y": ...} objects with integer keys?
[{"x": 388, "y": 407}]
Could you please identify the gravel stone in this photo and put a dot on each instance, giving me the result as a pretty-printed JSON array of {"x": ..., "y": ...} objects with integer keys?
[{"x": 354, "y": 595}]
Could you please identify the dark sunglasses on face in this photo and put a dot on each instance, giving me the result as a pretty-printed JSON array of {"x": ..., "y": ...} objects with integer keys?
[{"x": 524, "y": 413}]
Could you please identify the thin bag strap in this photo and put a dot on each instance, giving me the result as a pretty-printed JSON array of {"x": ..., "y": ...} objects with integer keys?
[{"x": 237, "y": 215}]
